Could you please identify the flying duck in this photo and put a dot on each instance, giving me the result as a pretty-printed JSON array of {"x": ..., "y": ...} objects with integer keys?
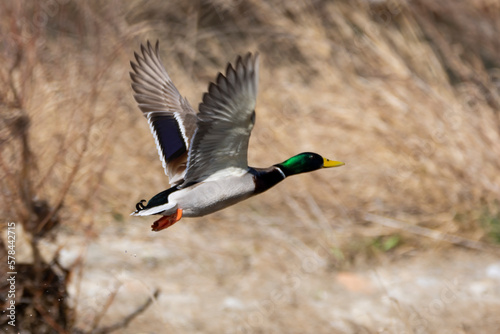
[{"x": 204, "y": 154}]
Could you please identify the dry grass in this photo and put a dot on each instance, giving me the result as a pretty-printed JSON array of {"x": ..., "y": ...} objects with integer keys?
[{"x": 406, "y": 93}]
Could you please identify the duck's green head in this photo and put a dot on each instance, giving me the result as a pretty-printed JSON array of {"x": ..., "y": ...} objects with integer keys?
[{"x": 306, "y": 162}]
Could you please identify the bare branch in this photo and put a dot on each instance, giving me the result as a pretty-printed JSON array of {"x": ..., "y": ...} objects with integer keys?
[{"x": 125, "y": 321}]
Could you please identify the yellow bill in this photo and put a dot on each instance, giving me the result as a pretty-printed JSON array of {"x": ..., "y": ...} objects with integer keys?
[{"x": 331, "y": 163}]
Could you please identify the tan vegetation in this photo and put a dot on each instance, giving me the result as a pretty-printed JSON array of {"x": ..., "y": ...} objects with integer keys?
[{"x": 406, "y": 93}]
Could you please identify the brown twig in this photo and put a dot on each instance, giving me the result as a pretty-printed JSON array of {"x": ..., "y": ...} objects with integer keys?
[
  {"x": 69, "y": 181},
  {"x": 49, "y": 319},
  {"x": 104, "y": 310},
  {"x": 125, "y": 321}
]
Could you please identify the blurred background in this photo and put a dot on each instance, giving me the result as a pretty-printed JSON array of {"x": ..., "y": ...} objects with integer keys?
[{"x": 403, "y": 239}]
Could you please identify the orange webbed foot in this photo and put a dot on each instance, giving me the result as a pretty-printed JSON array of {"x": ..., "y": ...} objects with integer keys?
[{"x": 167, "y": 221}]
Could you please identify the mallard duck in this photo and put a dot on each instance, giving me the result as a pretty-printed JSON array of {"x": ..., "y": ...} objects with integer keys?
[{"x": 205, "y": 154}]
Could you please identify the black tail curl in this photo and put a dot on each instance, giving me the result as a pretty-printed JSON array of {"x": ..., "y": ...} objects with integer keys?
[{"x": 140, "y": 206}]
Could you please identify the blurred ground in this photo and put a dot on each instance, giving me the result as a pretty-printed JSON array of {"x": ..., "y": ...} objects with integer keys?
[
  {"x": 405, "y": 92},
  {"x": 225, "y": 286}
]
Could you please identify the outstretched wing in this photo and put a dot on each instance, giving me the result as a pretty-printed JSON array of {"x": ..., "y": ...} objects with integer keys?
[
  {"x": 225, "y": 119},
  {"x": 171, "y": 119}
]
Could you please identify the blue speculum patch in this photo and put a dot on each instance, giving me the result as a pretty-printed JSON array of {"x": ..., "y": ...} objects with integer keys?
[{"x": 169, "y": 136}]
